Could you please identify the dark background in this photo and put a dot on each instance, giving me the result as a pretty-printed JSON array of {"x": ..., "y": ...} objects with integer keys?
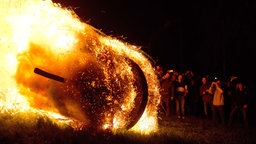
[{"x": 208, "y": 37}]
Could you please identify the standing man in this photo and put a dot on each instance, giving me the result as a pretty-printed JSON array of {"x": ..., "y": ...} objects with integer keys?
[
  {"x": 239, "y": 103},
  {"x": 166, "y": 85},
  {"x": 206, "y": 96},
  {"x": 218, "y": 102}
]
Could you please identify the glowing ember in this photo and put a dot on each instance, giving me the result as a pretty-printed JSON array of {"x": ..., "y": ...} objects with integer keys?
[{"x": 109, "y": 84}]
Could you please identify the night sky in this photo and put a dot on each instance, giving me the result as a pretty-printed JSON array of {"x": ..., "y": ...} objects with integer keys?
[{"x": 208, "y": 37}]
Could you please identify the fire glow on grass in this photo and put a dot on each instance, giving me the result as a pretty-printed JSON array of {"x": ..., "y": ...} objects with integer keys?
[{"x": 42, "y": 34}]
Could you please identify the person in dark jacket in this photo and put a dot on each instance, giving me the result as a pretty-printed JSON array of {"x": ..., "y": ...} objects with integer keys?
[
  {"x": 166, "y": 92},
  {"x": 239, "y": 102},
  {"x": 205, "y": 95}
]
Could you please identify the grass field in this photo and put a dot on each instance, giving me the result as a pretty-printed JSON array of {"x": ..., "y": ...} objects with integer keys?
[{"x": 191, "y": 130}]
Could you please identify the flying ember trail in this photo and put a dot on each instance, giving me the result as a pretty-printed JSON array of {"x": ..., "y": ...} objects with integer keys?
[{"x": 54, "y": 64}]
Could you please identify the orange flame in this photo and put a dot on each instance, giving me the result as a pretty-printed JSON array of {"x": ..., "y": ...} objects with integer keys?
[{"x": 40, "y": 33}]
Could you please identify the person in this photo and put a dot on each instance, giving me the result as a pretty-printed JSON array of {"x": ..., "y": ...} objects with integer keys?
[
  {"x": 205, "y": 95},
  {"x": 217, "y": 102},
  {"x": 159, "y": 71},
  {"x": 180, "y": 91},
  {"x": 239, "y": 103},
  {"x": 166, "y": 84},
  {"x": 172, "y": 102},
  {"x": 191, "y": 98}
]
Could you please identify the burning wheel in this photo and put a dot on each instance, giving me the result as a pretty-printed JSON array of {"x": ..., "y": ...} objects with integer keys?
[{"x": 92, "y": 98}]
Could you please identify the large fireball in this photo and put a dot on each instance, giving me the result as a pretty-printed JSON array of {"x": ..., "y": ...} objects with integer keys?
[{"x": 100, "y": 81}]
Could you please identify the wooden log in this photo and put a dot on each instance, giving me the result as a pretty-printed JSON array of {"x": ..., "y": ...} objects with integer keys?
[{"x": 49, "y": 75}]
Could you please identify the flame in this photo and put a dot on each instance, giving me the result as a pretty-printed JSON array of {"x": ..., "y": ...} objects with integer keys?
[{"x": 40, "y": 33}]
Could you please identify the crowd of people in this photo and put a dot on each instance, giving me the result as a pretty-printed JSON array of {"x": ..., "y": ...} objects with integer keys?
[{"x": 186, "y": 94}]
